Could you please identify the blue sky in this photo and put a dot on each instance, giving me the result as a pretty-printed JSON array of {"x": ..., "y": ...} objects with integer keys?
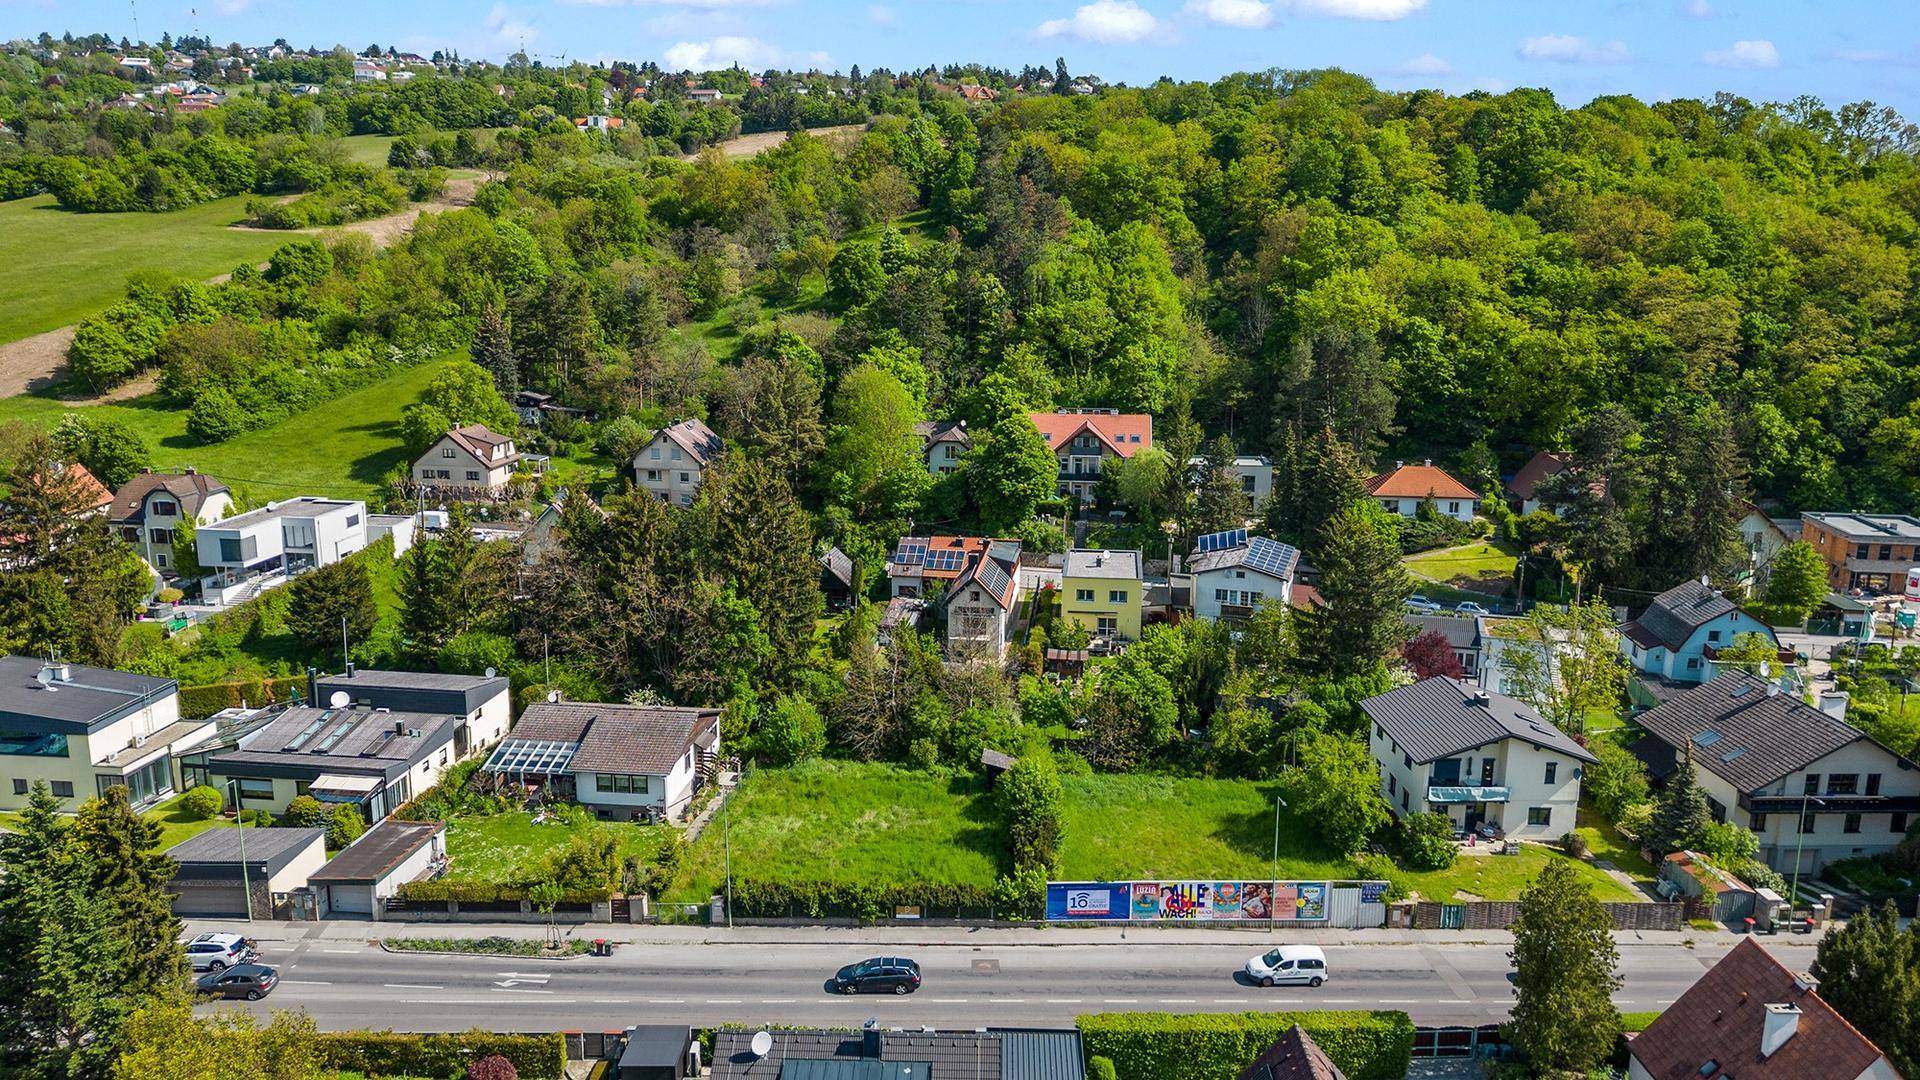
[{"x": 1839, "y": 50}]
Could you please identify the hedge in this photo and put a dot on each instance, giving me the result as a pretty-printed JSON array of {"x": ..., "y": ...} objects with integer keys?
[
  {"x": 197, "y": 702},
  {"x": 388, "y": 1053},
  {"x": 1206, "y": 1046},
  {"x": 439, "y": 889},
  {"x": 813, "y": 899}
]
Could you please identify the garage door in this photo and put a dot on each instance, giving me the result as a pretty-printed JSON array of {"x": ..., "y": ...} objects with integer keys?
[
  {"x": 209, "y": 900},
  {"x": 350, "y": 899}
]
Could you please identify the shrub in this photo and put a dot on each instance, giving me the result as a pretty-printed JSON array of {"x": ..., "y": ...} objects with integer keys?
[
  {"x": 202, "y": 802},
  {"x": 169, "y": 595},
  {"x": 344, "y": 826},
  {"x": 1166, "y": 1046},
  {"x": 1028, "y": 797},
  {"x": 306, "y": 811},
  {"x": 1634, "y": 821},
  {"x": 1099, "y": 1068},
  {"x": 1426, "y": 842},
  {"x": 388, "y": 1053},
  {"x": 1021, "y": 894},
  {"x": 792, "y": 731},
  {"x": 255, "y": 817},
  {"x": 1573, "y": 844},
  {"x": 1381, "y": 868},
  {"x": 492, "y": 1067}
]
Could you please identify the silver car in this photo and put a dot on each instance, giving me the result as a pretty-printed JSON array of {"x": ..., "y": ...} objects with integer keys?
[{"x": 218, "y": 952}]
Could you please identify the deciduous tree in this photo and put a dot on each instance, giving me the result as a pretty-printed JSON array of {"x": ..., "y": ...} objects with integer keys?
[{"x": 1565, "y": 973}]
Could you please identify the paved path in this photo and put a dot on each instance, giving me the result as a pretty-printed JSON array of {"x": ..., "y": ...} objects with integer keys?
[{"x": 974, "y": 976}]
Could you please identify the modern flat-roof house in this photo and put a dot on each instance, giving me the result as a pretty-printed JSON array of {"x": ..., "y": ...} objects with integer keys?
[
  {"x": 671, "y": 467},
  {"x": 260, "y": 549},
  {"x": 375, "y": 759},
  {"x": 1084, "y": 439},
  {"x": 620, "y": 761},
  {"x": 148, "y": 509},
  {"x": 1476, "y": 757},
  {"x": 368, "y": 871},
  {"x": 1254, "y": 471},
  {"x": 469, "y": 460},
  {"x": 1869, "y": 552},
  {"x": 1234, "y": 573},
  {"x": 1753, "y": 1018},
  {"x": 1681, "y": 633},
  {"x": 943, "y": 443},
  {"x": 1806, "y": 782},
  {"x": 1402, "y": 489},
  {"x": 86, "y": 729},
  {"x": 207, "y": 880},
  {"x": 483, "y": 702},
  {"x": 919, "y": 1054},
  {"x": 1100, "y": 591},
  {"x": 1523, "y": 491}
]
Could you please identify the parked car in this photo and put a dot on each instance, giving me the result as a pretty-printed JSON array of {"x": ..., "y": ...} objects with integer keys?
[
  {"x": 250, "y": 981},
  {"x": 1421, "y": 603},
  {"x": 1468, "y": 607},
  {"x": 218, "y": 952},
  {"x": 1289, "y": 964},
  {"x": 880, "y": 975}
]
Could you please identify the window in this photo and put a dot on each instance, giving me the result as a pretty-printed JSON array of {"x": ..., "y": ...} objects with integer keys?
[
  {"x": 1539, "y": 815},
  {"x": 473, "y": 474},
  {"x": 255, "y": 789},
  {"x": 1886, "y": 551},
  {"x": 1713, "y": 635},
  {"x": 28, "y": 744},
  {"x": 1393, "y": 785},
  {"x": 1860, "y": 552},
  {"x": 1453, "y": 508},
  {"x": 676, "y": 453},
  {"x": 1116, "y": 596},
  {"x": 1107, "y": 624},
  {"x": 653, "y": 474},
  {"x": 352, "y": 520},
  {"x": 1084, "y": 596},
  {"x": 1693, "y": 663},
  {"x": 161, "y": 536},
  {"x": 684, "y": 477},
  {"x": 1219, "y": 596},
  {"x": 1843, "y": 783},
  {"x": 1806, "y": 823},
  {"x": 63, "y": 789},
  {"x": 1553, "y": 768},
  {"x": 443, "y": 758},
  {"x": 19, "y": 786},
  {"x": 229, "y": 550},
  {"x": 620, "y": 784},
  {"x": 1897, "y": 823},
  {"x": 1873, "y": 783},
  {"x": 1813, "y": 783},
  {"x": 1756, "y": 822},
  {"x": 446, "y": 451},
  {"x": 160, "y": 558},
  {"x": 654, "y": 453},
  {"x": 1392, "y": 505},
  {"x": 1403, "y": 800},
  {"x": 163, "y": 508},
  {"x": 1409, "y": 760},
  {"x": 1851, "y": 823}
]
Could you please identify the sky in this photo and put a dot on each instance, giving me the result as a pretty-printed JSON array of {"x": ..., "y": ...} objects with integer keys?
[{"x": 1774, "y": 50}]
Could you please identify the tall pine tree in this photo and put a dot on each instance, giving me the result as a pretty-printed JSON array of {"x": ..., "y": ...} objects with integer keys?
[
  {"x": 423, "y": 600},
  {"x": 1365, "y": 587},
  {"x": 1680, "y": 815},
  {"x": 493, "y": 350},
  {"x": 1869, "y": 970},
  {"x": 1220, "y": 500}
]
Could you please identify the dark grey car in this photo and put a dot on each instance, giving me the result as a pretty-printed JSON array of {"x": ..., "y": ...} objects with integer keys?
[{"x": 880, "y": 975}]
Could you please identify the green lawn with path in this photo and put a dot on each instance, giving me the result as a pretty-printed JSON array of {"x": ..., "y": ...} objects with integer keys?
[
  {"x": 1480, "y": 567},
  {"x": 342, "y": 448},
  {"x": 509, "y": 848},
  {"x": 57, "y": 266}
]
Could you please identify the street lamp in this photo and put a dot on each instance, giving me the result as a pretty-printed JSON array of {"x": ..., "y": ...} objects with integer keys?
[
  {"x": 1278, "y": 804},
  {"x": 1800, "y": 841},
  {"x": 246, "y": 885}
]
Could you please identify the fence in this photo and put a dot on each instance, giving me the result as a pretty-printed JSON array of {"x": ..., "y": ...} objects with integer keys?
[{"x": 1499, "y": 915}]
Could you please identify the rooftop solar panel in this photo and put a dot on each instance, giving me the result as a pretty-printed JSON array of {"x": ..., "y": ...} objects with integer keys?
[
  {"x": 1219, "y": 541},
  {"x": 911, "y": 552}
]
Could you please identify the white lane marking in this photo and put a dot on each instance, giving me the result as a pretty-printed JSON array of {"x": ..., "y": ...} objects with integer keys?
[
  {"x": 1178, "y": 1001},
  {"x": 776, "y": 1001},
  {"x": 1623, "y": 1001},
  {"x": 1063, "y": 1001},
  {"x": 537, "y": 976},
  {"x": 1342, "y": 1001},
  {"x": 1399, "y": 1001},
  {"x": 305, "y": 982},
  {"x": 411, "y": 986},
  {"x": 613, "y": 1001},
  {"x": 1229, "y": 1001},
  {"x": 948, "y": 1001},
  {"x": 1008, "y": 1001},
  {"x": 723, "y": 1001},
  {"x": 666, "y": 1001},
  {"x": 446, "y": 1001},
  {"x": 505, "y": 990},
  {"x": 1118, "y": 1001}
]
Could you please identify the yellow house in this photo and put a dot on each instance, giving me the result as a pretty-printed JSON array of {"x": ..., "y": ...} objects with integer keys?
[
  {"x": 1101, "y": 591},
  {"x": 86, "y": 729}
]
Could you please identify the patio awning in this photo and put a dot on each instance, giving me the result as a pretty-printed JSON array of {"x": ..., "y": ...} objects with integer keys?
[
  {"x": 334, "y": 787},
  {"x": 532, "y": 757},
  {"x": 1467, "y": 794}
]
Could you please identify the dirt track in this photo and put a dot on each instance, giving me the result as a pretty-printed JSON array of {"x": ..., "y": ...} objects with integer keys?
[{"x": 749, "y": 145}]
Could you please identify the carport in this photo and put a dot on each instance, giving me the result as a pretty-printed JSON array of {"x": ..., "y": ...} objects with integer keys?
[{"x": 656, "y": 1052}]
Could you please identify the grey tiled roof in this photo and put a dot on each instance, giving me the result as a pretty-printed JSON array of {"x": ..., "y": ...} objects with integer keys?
[
  {"x": 1756, "y": 737},
  {"x": 697, "y": 439},
  {"x": 1460, "y": 632},
  {"x": 1675, "y": 614},
  {"x": 1436, "y": 717},
  {"x": 629, "y": 739},
  {"x": 271, "y": 847}
]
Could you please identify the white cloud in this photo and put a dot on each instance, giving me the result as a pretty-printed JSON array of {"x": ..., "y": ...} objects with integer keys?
[
  {"x": 1568, "y": 49},
  {"x": 1696, "y": 9},
  {"x": 1378, "y": 10},
  {"x": 1745, "y": 54},
  {"x": 1426, "y": 64},
  {"x": 507, "y": 29},
  {"x": 730, "y": 49},
  {"x": 1105, "y": 22},
  {"x": 1246, "y": 14},
  {"x": 232, "y": 7},
  {"x": 704, "y": 5},
  {"x": 881, "y": 15}
]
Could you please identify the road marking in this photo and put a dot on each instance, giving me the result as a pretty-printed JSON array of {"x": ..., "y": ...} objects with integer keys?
[
  {"x": 1177, "y": 1001},
  {"x": 776, "y": 1001},
  {"x": 613, "y": 1001},
  {"x": 1287, "y": 1001},
  {"x": 1399, "y": 1001},
  {"x": 1229, "y": 1001},
  {"x": 306, "y": 982},
  {"x": 1008, "y": 1001},
  {"x": 504, "y": 990},
  {"x": 1119, "y": 1001},
  {"x": 1342, "y": 1001},
  {"x": 666, "y": 1001},
  {"x": 446, "y": 1001},
  {"x": 948, "y": 1001},
  {"x": 1063, "y": 1001},
  {"x": 411, "y": 986},
  {"x": 723, "y": 1001},
  {"x": 1624, "y": 1001}
]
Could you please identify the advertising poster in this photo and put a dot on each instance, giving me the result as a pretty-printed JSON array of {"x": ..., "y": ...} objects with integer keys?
[
  {"x": 1226, "y": 899},
  {"x": 1186, "y": 900},
  {"x": 1146, "y": 899},
  {"x": 1300, "y": 901},
  {"x": 1256, "y": 900},
  {"x": 1092, "y": 901}
]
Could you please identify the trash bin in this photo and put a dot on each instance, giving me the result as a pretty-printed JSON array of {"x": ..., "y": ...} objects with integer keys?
[{"x": 1747, "y": 925}]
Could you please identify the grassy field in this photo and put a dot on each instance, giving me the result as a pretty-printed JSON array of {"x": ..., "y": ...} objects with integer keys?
[
  {"x": 1125, "y": 827},
  {"x": 1480, "y": 567},
  {"x": 341, "y": 448},
  {"x": 367, "y": 149},
  {"x": 510, "y": 847},
  {"x": 1501, "y": 877},
  {"x": 58, "y": 267},
  {"x": 175, "y": 825}
]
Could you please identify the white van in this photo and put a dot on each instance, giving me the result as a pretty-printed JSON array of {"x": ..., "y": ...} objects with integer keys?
[{"x": 1289, "y": 965}]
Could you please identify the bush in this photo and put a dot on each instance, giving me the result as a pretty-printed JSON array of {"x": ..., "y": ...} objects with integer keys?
[
  {"x": 344, "y": 826},
  {"x": 202, "y": 802},
  {"x": 1099, "y": 1068},
  {"x": 1426, "y": 842},
  {"x": 792, "y": 731},
  {"x": 1166, "y": 1046},
  {"x": 1021, "y": 894},
  {"x": 306, "y": 811},
  {"x": 492, "y": 1067},
  {"x": 1573, "y": 844},
  {"x": 255, "y": 817},
  {"x": 387, "y": 1053},
  {"x": 863, "y": 900},
  {"x": 1381, "y": 868},
  {"x": 1028, "y": 798}
]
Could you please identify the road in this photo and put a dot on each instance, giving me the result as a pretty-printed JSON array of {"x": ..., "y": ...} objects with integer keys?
[{"x": 351, "y": 984}]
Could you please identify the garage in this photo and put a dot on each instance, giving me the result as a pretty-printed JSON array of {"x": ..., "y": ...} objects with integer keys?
[
  {"x": 207, "y": 899},
  {"x": 361, "y": 877},
  {"x": 208, "y": 874},
  {"x": 344, "y": 898}
]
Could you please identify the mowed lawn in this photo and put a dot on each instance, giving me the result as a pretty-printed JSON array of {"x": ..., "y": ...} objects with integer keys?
[
  {"x": 57, "y": 267},
  {"x": 510, "y": 848},
  {"x": 1119, "y": 828},
  {"x": 342, "y": 448},
  {"x": 1482, "y": 566}
]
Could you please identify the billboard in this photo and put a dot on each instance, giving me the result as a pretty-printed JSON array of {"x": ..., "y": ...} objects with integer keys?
[
  {"x": 1093, "y": 901},
  {"x": 1188, "y": 901}
]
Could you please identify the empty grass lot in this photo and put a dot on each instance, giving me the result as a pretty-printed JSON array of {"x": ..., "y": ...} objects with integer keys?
[
  {"x": 174, "y": 823},
  {"x": 1123, "y": 827},
  {"x": 509, "y": 848},
  {"x": 1481, "y": 566},
  {"x": 341, "y": 448},
  {"x": 57, "y": 267}
]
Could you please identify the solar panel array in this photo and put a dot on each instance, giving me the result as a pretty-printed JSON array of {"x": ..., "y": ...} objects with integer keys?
[
  {"x": 1220, "y": 541},
  {"x": 946, "y": 559},
  {"x": 1270, "y": 556},
  {"x": 911, "y": 553}
]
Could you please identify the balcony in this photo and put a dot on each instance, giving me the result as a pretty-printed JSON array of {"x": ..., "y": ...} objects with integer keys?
[{"x": 1449, "y": 796}]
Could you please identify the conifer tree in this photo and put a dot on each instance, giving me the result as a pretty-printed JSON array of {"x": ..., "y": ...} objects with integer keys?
[
  {"x": 1365, "y": 587},
  {"x": 1680, "y": 816},
  {"x": 493, "y": 350}
]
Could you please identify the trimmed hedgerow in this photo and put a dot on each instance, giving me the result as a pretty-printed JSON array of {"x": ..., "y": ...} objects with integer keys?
[
  {"x": 1171, "y": 1046},
  {"x": 389, "y": 1053}
]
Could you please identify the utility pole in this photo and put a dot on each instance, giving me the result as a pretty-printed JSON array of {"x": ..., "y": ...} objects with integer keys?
[
  {"x": 246, "y": 885},
  {"x": 726, "y": 842},
  {"x": 1273, "y": 899}
]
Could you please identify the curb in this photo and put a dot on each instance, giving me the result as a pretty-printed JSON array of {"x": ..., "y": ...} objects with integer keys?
[{"x": 462, "y": 952}]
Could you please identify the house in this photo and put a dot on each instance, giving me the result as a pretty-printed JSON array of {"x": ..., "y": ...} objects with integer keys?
[
  {"x": 207, "y": 879},
  {"x": 360, "y": 879},
  {"x": 149, "y": 509},
  {"x": 1811, "y": 787},
  {"x": 97, "y": 499},
  {"x": 620, "y": 761},
  {"x": 1868, "y": 552},
  {"x": 400, "y": 527},
  {"x": 1523, "y": 491},
  {"x": 837, "y": 578},
  {"x": 1475, "y": 756},
  {"x": 981, "y": 602},
  {"x": 1462, "y": 636},
  {"x": 1254, "y": 471},
  {"x": 975, "y": 92},
  {"x": 942, "y": 444},
  {"x": 704, "y": 96},
  {"x": 135, "y": 64},
  {"x": 1751, "y": 1017},
  {"x": 920, "y": 564},
  {"x": 1504, "y": 635},
  {"x": 1764, "y": 537},
  {"x": 374, "y": 759},
  {"x": 671, "y": 466},
  {"x": 599, "y": 122},
  {"x": 1405, "y": 487},
  {"x": 1085, "y": 439},
  {"x": 1680, "y": 634},
  {"x": 86, "y": 729},
  {"x": 1234, "y": 573},
  {"x": 533, "y": 407},
  {"x": 368, "y": 71},
  {"x": 481, "y": 702},
  {"x": 468, "y": 460},
  {"x": 902, "y": 613},
  {"x": 918, "y": 1054},
  {"x": 1100, "y": 591},
  {"x": 1295, "y": 1056},
  {"x": 260, "y": 549}
]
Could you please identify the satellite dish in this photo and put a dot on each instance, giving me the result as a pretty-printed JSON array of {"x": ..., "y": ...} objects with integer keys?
[
  {"x": 553, "y": 696},
  {"x": 761, "y": 1044},
  {"x": 339, "y": 699},
  {"x": 491, "y": 673}
]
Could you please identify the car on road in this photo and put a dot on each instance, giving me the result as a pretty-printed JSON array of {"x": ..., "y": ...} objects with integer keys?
[
  {"x": 250, "y": 981},
  {"x": 1289, "y": 964},
  {"x": 880, "y": 975},
  {"x": 1421, "y": 603},
  {"x": 218, "y": 952},
  {"x": 1468, "y": 607}
]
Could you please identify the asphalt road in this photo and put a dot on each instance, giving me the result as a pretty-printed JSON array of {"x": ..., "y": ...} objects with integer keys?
[{"x": 345, "y": 985}]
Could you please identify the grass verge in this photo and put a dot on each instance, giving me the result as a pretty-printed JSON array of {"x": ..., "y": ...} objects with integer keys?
[{"x": 504, "y": 946}]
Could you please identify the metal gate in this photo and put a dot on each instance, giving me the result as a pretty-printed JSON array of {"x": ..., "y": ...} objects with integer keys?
[
  {"x": 1343, "y": 906},
  {"x": 1453, "y": 916}
]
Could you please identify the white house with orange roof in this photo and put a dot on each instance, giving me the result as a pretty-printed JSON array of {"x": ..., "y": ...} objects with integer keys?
[
  {"x": 1086, "y": 439},
  {"x": 1405, "y": 487}
]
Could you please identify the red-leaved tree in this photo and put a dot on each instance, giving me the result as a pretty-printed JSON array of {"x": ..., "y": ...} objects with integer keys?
[{"x": 1429, "y": 655}]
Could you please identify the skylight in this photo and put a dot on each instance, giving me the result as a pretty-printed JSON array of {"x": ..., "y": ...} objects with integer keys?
[{"x": 1706, "y": 738}]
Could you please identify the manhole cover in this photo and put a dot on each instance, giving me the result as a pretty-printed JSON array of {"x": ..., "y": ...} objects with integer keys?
[{"x": 986, "y": 967}]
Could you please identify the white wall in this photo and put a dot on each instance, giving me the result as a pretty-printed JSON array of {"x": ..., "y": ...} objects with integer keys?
[
  {"x": 1457, "y": 509},
  {"x": 412, "y": 866},
  {"x": 1518, "y": 766},
  {"x": 294, "y": 874},
  {"x": 489, "y": 723},
  {"x": 1780, "y": 836},
  {"x": 670, "y": 463},
  {"x": 1235, "y": 579}
]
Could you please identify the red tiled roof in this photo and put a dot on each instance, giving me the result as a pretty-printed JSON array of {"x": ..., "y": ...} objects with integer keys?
[
  {"x": 1418, "y": 482},
  {"x": 1122, "y": 433},
  {"x": 475, "y": 439},
  {"x": 1722, "y": 1017},
  {"x": 1540, "y": 466},
  {"x": 98, "y": 497},
  {"x": 1305, "y": 597},
  {"x": 1295, "y": 1056}
]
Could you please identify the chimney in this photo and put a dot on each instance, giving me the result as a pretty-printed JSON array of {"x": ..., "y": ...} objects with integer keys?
[
  {"x": 313, "y": 685},
  {"x": 1806, "y": 983},
  {"x": 1834, "y": 703},
  {"x": 349, "y": 669},
  {"x": 873, "y": 1043},
  {"x": 1399, "y": 464},
  {"x": 399, "y": 729},
  {"x": 1482, "y": 698},
  {"x": 1428, "y": 463},
  {"x": 1781, "y": 1023}
]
